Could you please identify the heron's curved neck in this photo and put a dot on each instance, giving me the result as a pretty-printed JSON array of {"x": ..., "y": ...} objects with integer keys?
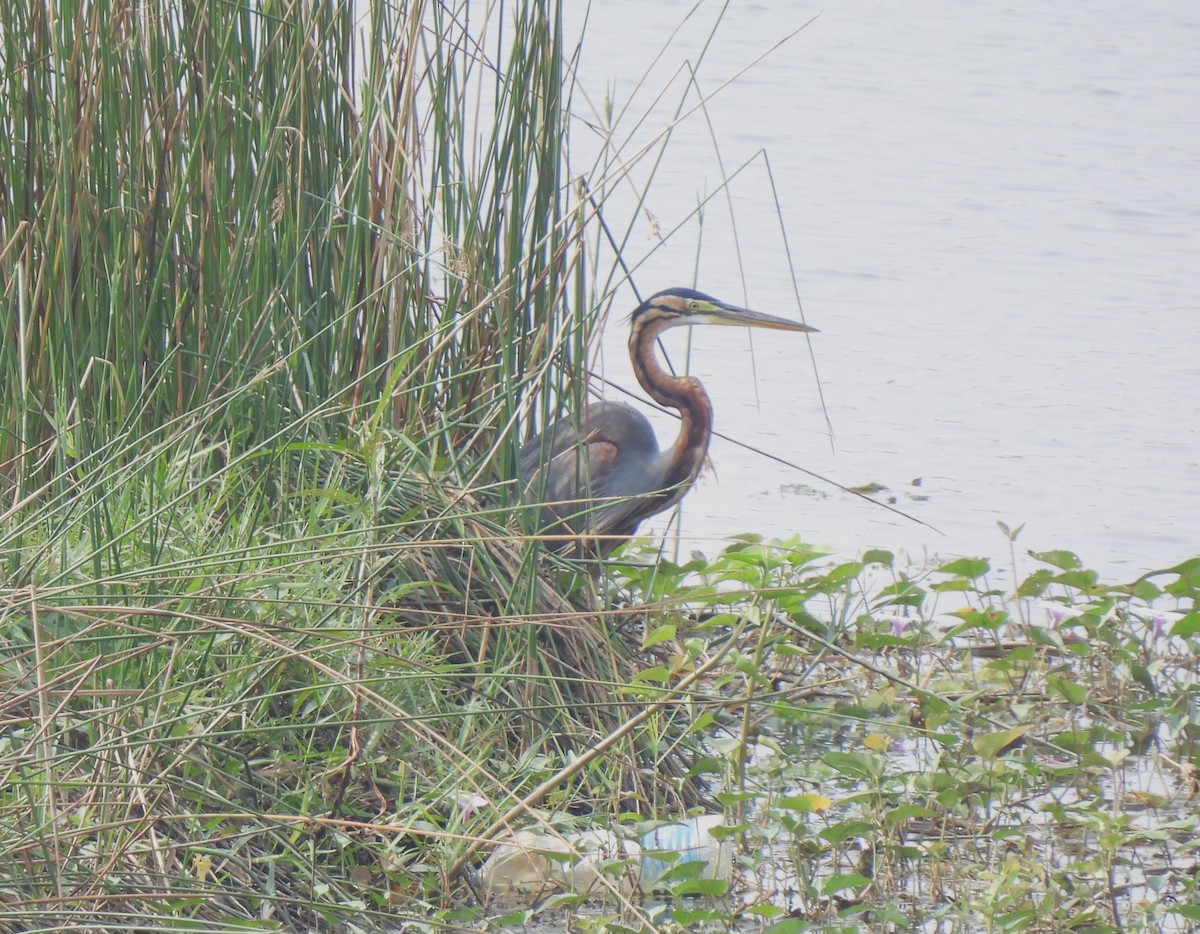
[{"x": 678, "y": 392}]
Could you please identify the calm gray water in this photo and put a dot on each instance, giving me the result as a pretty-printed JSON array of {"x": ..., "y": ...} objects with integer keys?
[{"x": 994, "y": 219}]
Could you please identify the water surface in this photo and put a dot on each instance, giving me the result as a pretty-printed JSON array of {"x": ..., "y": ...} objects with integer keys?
[{"x": 994, "y": 219}]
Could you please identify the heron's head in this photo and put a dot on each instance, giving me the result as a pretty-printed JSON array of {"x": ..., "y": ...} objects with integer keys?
[{"x": 677, "y": 307}]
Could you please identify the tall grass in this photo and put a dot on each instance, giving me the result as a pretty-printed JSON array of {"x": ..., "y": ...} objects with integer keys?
[
  {"x": 279, "y": 287},
  {"x": 196, "y": 195}
]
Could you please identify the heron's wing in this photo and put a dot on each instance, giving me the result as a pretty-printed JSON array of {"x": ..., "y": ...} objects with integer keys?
[
  {"x": 613, "y": 423},
  {"x": 590, "y": 480}
]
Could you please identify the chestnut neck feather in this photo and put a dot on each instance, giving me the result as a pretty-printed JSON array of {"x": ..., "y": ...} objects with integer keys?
[{"x": 678, "y": 392}]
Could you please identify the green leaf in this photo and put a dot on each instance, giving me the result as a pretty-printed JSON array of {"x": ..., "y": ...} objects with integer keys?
[
  {"x": 842, "y": 882},
  {"x": 561, "y": 901},
  {"x": 1076, "y": 741},
  {"x": 725, "y": 831},
  {"x": 977, "y": 619},
  {"x": 1052, "y": 637},
  {"x": 844, "y": 572},
  {"x": 1063, "y": 560},
  {"x": 1105, "y": 759},
  {"x": 807, "y": 803},
  {"x": 1073, "y": 693},
  {"x": 1186, "y": 626},
  {"x": 1143, "y": 590},
  {"x": 970, "y": 568},
  {"x": 840, "y": 833},
  {"x": 907, "y": 812},
  {"x": 990, "y": 745},
  {"x": 1081, "y": 579},
  {"x": 678, "y": 869},
  {"x": 1010, "y": 534},
  {"x": 901, "y": 593},
  {"x": 878, "y": 556},
  {"x": 855, "y": 764},
  {"x": 955, "y": 585},
  {"x": 1036, "y": 583},
  {"x": 662, "y": 633},
  {"x": 1188, "y": 568},
  {"x": 713, "y": 887},
  {"x": 788, "y": 926}
]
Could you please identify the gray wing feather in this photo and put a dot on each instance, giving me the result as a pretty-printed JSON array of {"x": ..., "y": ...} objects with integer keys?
[{"x": 590, "y": 479}]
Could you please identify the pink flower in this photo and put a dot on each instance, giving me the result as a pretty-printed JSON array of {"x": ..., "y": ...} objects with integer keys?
[{"x": 899, "y": 624}]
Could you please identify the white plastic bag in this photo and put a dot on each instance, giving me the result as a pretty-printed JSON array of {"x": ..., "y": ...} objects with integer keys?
[{"x": 532, "y": 864}]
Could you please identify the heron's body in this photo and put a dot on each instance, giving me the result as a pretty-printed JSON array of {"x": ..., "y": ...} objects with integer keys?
[
  {"x": 606, "y": 484},
  {"x": 600, "y": 475}
]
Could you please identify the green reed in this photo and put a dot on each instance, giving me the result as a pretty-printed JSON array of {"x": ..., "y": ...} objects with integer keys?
[{"x": 282, "y": 285}]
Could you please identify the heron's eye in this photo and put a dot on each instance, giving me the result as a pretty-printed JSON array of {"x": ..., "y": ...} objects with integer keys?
[{"x": 693, "y": 305}]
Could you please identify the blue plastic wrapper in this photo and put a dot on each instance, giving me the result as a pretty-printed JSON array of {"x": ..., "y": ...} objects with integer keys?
[{"x": 689, "y": 838}]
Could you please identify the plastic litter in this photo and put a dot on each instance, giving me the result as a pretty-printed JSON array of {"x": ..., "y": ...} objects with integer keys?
[
  {"x": 532, "y": 863},
  {"x": 692, "y": 839}
]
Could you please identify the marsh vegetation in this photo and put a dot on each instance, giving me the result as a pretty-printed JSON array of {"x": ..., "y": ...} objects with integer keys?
[{"x": 283, "y": 292}]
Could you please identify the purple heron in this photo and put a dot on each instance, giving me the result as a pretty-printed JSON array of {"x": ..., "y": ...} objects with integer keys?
[{"x": 599, "y": 475}]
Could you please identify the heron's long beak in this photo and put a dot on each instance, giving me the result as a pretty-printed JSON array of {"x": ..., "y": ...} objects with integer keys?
[{"x": 744, "y": 317}]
